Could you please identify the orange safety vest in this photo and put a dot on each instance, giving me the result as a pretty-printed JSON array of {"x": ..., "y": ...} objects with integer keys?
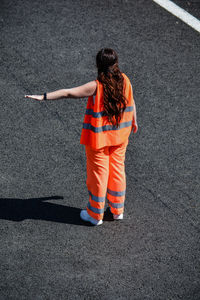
[{"x": 97, "y": 131}]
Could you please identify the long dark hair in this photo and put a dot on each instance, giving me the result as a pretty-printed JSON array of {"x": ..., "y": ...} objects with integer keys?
[{"x": 112, "y": 79}]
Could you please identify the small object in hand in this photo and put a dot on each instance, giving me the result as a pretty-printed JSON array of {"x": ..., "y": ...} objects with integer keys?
[{"x": 45, "y": 96}]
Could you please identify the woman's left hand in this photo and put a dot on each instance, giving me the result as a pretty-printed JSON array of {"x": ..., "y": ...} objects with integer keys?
[{"x": 36, "y": 97}]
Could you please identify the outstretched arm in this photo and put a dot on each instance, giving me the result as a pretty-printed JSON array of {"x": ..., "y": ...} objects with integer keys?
[{"x": 81, "y": 91}]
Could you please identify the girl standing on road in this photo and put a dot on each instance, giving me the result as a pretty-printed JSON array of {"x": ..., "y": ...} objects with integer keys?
[{"x": 109, "y": 119}]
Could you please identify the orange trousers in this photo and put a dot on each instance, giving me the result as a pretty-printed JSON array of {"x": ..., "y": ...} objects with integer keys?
[{"x": 106, "y": 179}]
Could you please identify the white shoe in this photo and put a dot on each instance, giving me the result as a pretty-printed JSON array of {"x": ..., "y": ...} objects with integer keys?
[
  {"x": 118, "y": 217},
  {"x": 86, "y": 217}
]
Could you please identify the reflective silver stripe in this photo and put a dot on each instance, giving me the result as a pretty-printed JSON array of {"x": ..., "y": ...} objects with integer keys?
[
  {"x": 106, "y": 127},
  {"x": 95, "y": 198},
  {"x": 117, "y": 194},
  {"x": 101, "y": 113},
  {"x": 94, "y": 114},
  {"x": 95, "y": 210},
  {"x": 116, "y": 205},
  {"x": 129, "y": 108}
]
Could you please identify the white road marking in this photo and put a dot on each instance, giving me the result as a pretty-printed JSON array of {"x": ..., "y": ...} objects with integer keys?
[{"x": 180, "y": 13}]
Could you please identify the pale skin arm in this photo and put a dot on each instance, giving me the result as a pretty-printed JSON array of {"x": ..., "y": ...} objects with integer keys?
[
  {"x": 135, "y": 125},
  {"x": 81, "y": 91}
]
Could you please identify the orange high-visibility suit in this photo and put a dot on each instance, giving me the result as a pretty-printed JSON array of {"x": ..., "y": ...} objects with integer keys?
[{"x": 105, "y": 147}]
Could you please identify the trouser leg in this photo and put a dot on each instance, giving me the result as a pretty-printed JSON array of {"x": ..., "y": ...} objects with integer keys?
[
  {"x": 97, "y": 179},
  {"x": 117, "y": 178}
]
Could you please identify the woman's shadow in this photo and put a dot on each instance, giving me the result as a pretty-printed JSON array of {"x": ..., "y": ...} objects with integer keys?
[{"x": 16, "y": 209}]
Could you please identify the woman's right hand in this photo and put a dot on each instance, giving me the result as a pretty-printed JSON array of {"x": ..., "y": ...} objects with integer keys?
[{"x": 135, "y": 128}]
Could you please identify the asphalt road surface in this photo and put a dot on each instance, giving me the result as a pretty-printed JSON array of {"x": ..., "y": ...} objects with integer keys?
[{"x": 46, "y": 251}]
